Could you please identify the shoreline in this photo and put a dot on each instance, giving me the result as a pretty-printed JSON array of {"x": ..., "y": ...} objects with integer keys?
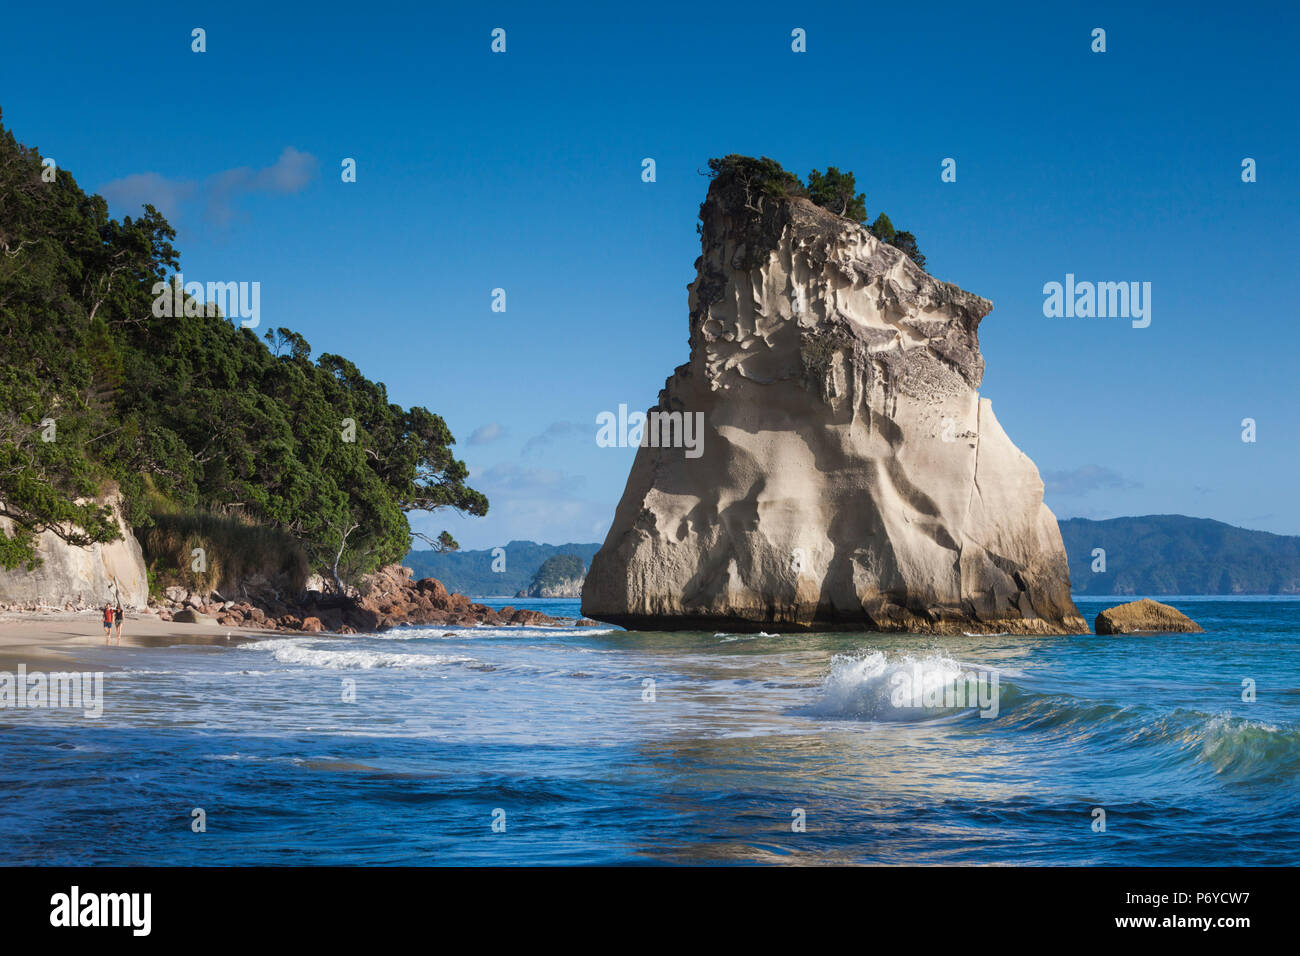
[
  {"x": 28, "y": 636},
  {"x": 54, "y": 635}
]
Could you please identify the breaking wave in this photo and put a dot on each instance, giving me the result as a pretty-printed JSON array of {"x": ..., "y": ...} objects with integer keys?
[
  {"x": 872, "y": 686},
  {"x": 314, "y": 653}
]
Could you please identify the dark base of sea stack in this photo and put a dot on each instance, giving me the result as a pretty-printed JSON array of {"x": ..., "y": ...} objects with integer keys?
[
  {"x": 898, "y": 622},
  {"x": 741, "y": 626}
]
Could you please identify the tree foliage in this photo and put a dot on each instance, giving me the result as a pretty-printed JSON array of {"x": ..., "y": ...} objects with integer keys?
[
  {"x": 558, "y": 569},
  {"x": 837, "y": 192},
  {"x": 905, "y": 243},
  {"x": 883, "y": 229},
  {"x": 757, "y": 179},
  {"x": 189, "y": 412}
]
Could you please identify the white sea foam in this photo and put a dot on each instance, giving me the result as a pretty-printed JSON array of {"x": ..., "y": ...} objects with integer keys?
[
  {"x": 871, "y": 686},
  {"x": 315, "y": 653},
  {"x": 202, "y": 675},
  {"x": 726, "y": 638}
]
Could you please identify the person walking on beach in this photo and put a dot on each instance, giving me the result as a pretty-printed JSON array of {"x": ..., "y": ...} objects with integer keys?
[
  {"x": 117, "y": 619},
  {"x": 108, "y": 621}
]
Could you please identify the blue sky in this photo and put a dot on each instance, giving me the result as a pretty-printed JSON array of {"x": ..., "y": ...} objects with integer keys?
[{"x": 522, "y": 171}]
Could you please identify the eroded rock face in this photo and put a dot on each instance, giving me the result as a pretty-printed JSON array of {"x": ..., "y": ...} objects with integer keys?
[
  {"x": 850, "y": 475},
  {"x": 80, "y": 577},
  {"x": 1145, "y": 617}
]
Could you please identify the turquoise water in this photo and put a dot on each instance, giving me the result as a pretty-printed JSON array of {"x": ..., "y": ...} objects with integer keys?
[{"x": 554, "y": 734}]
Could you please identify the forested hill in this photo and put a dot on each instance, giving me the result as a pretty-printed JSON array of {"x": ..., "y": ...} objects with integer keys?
[
  {"x": 1174, "y": 554},
  {"x": 189, "y": 414},
  {"x": 493, "y": 572}
]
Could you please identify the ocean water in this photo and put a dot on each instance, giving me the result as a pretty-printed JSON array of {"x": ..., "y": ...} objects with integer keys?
[{"x": 598, "y": 746}]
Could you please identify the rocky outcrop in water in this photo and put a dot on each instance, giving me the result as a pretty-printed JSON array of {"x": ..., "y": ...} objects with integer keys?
[
  {"x": 74, "y": 577},
  {"x": 849, "y": 473},
  {"x": 560, "y": 576},
  {"x": 388, "y": 598},
  {"x": 1145, "y": 617}
]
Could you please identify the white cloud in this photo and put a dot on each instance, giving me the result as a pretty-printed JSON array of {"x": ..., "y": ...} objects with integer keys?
[
  {"x": 1085, "y": 480},
  {"x": 485, "y": 434},
  {"x": 554, "y": 432},
  {"x": 217, "y": 195}
]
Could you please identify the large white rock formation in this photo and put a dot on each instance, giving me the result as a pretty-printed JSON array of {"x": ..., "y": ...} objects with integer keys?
[
  {"x": 82, "y": 577},
  {"x": 850, "y": 476}
]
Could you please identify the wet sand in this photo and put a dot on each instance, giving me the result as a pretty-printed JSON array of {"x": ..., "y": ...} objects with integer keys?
[{"x": 31, "y": 636}]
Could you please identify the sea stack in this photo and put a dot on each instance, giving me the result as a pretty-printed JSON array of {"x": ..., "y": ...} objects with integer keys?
[{"x": 848, "y": 474}]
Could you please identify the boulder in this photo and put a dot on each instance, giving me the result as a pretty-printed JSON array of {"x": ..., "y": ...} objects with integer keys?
[
  {"x": 363, "y": 619},
  {"x": 190, "y": 616},
  {"x": 1145, "y": 617},
  {"x": 434, "y": 588},
  {"x": 524, "y": 616},
  {"x": 824, "y": 459}
]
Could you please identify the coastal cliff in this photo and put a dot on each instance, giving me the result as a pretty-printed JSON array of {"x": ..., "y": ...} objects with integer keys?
[
  {"x": 848, "y": 474},
  {"x": 79, "y": 577}
]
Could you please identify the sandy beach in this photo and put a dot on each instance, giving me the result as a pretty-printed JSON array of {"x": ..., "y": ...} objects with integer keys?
[{"x": 29, "y": 636}]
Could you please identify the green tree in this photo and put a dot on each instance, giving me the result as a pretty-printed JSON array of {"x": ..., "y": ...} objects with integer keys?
[
  {"x": 443, "y": 544},
  {"x": 750, "y": 182},
  {"x": 187, "y": 412},
  {"x": 883, "y": 229},
  {"x": 837, "y": 192},
  {"x": 905, "y": 242},
  {"x": 754, "y": 180}
]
